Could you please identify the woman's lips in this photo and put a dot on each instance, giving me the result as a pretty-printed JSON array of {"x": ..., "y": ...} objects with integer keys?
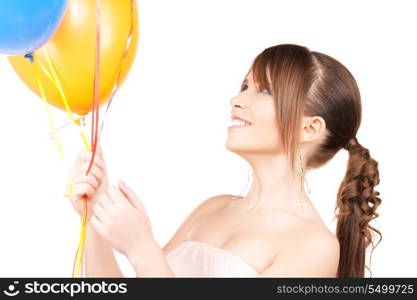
[
  {"x": 236, "y": 119},
  {"x": 238, "y": 122},
  {"x": 235, "y": 127},
  {"x": 239, "y": 125}
]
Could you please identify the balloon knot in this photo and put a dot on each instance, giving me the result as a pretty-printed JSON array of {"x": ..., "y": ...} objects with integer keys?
[{"x": 30, "y": 57}]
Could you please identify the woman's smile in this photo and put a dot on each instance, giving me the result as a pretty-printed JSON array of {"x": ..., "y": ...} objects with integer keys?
[{"x": 237, "y": 122}]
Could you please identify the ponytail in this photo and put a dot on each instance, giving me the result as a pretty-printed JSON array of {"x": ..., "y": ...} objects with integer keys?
[{"x": 356, "y": 207}]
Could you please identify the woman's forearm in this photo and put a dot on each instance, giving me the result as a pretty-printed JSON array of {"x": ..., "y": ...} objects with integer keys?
[
  {"x": 149, "y": 260},
  {"x": 100, "y": 260}
]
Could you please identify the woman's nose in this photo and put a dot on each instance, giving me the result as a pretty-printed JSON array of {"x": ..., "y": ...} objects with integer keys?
[{"x": 237, "y": 102}]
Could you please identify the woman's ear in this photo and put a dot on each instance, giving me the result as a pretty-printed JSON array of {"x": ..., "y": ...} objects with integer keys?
[{"x": 312, "y": 128}]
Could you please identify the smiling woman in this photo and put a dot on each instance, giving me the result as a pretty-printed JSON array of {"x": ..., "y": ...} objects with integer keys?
[
  {"x": 311, "y": 109},
  {"x": 295, "y": 110}
]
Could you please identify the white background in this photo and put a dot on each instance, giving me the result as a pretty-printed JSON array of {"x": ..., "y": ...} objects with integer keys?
[{"x": 166, "y": 129}]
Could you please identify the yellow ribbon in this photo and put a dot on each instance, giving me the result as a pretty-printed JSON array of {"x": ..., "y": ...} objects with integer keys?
[
  {"x": 55, "y": 81},
  {"x": 77, "y": 269}
]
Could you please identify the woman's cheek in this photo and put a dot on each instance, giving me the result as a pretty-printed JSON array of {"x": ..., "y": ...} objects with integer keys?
[{"x": 266, "y": 134}]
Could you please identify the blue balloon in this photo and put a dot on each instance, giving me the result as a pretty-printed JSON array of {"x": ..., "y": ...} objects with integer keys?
[{"x": 26, "y": 25}]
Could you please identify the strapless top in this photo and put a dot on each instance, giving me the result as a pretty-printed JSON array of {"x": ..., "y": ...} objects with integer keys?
[{"x": 197, "y": 259}]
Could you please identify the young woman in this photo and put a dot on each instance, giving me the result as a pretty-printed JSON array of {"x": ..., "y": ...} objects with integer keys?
[{"x": 296, "y": 109}]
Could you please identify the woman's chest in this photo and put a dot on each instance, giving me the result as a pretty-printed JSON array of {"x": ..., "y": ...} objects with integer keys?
[{"x": 255, "y": 238}]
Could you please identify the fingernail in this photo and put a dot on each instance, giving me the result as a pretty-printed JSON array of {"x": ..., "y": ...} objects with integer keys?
[{"x": 122, "y": 183}]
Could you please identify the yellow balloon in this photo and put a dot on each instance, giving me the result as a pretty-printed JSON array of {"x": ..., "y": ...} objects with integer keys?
[{"x": 72, "y": 52}]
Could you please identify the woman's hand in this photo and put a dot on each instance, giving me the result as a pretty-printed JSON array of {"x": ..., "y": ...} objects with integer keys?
[
  {"x": 91, "y": 186},
  {"x": 121, "y": 219}
]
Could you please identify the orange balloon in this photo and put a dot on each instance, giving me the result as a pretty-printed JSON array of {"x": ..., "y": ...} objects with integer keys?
[{"x": 72, "y": 51}]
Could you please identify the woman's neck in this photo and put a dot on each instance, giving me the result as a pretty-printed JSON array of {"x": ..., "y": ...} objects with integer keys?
[{"x": 273, "y": 184}]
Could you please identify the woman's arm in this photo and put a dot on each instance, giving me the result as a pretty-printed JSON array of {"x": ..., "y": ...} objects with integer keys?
[
  {"x": 149, "y": 260},
  {"x": 100, "y": 260}
]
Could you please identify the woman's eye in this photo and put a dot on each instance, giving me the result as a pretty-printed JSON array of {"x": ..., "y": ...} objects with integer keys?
[
  {"x": 266, "y": 91},
  {"x": 243, "y": 87}
]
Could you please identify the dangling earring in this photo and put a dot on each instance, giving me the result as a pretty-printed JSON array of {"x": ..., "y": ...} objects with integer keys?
[{"x": 302, "y": 180}]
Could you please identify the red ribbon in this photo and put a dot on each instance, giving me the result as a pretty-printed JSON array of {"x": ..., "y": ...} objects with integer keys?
[{"x": 96, "y": 90}]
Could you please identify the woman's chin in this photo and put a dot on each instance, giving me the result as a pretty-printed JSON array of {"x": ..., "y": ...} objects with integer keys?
[{"x": 235, "y": 147}]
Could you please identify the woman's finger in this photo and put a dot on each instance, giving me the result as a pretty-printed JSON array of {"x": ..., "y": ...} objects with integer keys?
[
  {"x": 98, "y": 210},
  {"x": 81, "y": 178},
  {"x": 105, "y": 201},
  {"x": 86, "y": 155},
  {"x": 83, "y": 189},
  {"x": 95, "y": 171},
  {"x": 97, "y": 224},
  {"x": 99, "y": 150},
  {"x": 97, "y": 160},
  {"x": 80, "y": 172},
  {"x": 130, "y": 195},
  {"x": 116, "y": 195}
]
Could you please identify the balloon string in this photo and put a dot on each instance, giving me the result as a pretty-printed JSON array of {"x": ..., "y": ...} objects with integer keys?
[
  {"x": 78, "y": 261},
  {"x": 96, "y": 88},
  {"x": 57, "y": 83},
  {"x": 43, "y": 96},
  {"x": 54, "y": 79},
  {"x": 119, "y": 69},
  {"x": 61, "y": 152},
  {"x": 78, "y": 264}
]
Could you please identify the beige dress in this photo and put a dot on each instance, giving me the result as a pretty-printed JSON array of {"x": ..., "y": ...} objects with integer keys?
[{"x": 197, "y": 259}]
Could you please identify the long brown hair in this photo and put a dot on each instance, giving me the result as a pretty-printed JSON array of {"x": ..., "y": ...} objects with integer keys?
[{"x": 315, "y": 84}]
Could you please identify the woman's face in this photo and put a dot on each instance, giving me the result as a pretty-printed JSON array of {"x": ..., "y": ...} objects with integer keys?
[{"x": 260, "y": 133}]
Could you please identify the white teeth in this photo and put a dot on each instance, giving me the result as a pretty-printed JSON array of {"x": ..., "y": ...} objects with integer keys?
[{"x": 239, "y": 123}]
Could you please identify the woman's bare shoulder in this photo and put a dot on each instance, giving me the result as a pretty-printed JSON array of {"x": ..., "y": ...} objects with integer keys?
[
  {"x": 207, "y": 206},
  {"x": 311, "y": 252},
  {"x": 314, "y": 232},
  {"x": 213, "y": 203}
]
